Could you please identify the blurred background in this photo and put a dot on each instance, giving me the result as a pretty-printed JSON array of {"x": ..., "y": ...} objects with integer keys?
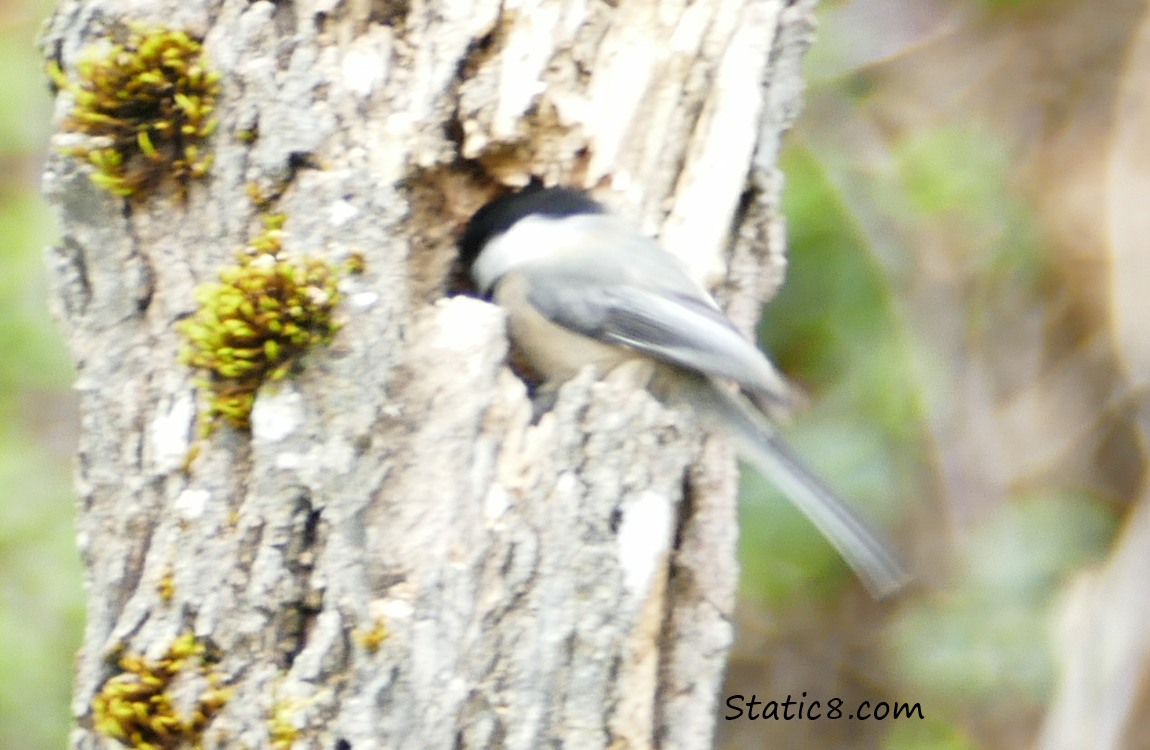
[
  {"x": 968, "y": 308},
  {"x": 41, "y": 602},
  {"x": 968, "y": 201}
]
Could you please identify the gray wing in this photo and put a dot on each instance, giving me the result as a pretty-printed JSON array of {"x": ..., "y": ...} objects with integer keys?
[{"x": 650, "y": 305}]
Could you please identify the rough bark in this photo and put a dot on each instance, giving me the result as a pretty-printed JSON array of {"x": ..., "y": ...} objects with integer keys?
[{"x": 565, "y": 582}]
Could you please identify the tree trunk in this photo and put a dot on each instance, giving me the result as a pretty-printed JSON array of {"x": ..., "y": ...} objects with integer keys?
[{"x": 396, "y": 555}]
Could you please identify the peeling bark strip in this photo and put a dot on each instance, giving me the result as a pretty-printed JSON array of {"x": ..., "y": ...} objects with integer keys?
[{"x": 395, "y": 556}]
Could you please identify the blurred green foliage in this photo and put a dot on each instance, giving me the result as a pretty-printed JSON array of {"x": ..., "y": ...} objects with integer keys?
[
  {"x": 26, "y": 107},
  {"x": 41, "y": 604},
  {"x": 833, "y": 331},
  {"x": 846, "y": 327},
  {"x": 34, "y": 355},
  {"x": 930, "y": 734},
  {"x": 985, "y": 640},
  {"x": 955, "y": 177}
]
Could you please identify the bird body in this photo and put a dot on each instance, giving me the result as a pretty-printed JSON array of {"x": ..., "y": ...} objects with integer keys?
[{"x": 583, "y": 287}]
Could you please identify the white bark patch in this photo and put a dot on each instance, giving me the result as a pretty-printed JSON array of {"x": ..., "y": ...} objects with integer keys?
[
  {"x": 464, "y": 324},
  {"x": 363, "y": 300},
  {"x": 644, "y": 538},
  {"x": 365, "y": 65},
  {"x": 288, "y": 461},
  {"x": 172, "y": 431},
  {"x": 276, "y": 414},
  {"x": 341, "y": 212},
  {"x": 190, "y": 503},
  {"x": 392, "y": 608},
  {"x": 722, "y": 147},
  {"x": 496, "y": 503},
  {"x": 530, "y": 44}
]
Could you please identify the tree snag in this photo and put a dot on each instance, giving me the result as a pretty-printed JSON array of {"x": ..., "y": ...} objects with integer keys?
[{"x": 394, "y": 552}]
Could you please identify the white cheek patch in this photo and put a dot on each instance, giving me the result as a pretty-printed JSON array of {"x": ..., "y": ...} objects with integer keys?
[{"x": 528, "y": 239}]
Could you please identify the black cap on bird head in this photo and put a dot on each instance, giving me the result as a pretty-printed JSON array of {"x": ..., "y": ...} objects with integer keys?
[{"x": 500, "y": 214}]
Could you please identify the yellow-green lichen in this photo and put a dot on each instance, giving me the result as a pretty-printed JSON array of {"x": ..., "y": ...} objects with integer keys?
[
  {"x": 166, "y": 587},
  {"x": 147, "y": 102},
  {"x": 135, "y": 708},
  {"x": 281, "y": 726},
  {"x": 372, "y": 638},
  {"x": 288, "y": 719},
  {"x": 356, "y": 263},
  {"x": 256, "y": 322}
]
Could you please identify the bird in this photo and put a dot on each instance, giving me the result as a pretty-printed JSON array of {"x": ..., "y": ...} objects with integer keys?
[{"x": 582, "y": 286}]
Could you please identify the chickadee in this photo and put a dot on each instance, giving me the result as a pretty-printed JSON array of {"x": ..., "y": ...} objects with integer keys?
[{"x": 581, "y": 287}]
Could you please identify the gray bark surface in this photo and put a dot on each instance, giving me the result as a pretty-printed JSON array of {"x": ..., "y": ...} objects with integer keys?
[{"x": 563, "y": 583}]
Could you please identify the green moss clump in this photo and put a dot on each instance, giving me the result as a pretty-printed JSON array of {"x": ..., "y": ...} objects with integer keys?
[
  {"x": 255, "y": 324},
  {"x": 148, "y": 103},
  {"x": 135, "y": 708}
]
